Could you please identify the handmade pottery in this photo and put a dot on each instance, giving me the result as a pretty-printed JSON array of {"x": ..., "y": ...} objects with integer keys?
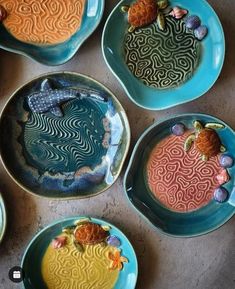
[
  {"x": 173, "y": 186},
  {"x": 113, "y": 265},
  {"x": 60, "y": 27},
  {"x": 157, "y": 77},
  {"x": 2, "y": 218},
  {"x": 67, "y": 136}
]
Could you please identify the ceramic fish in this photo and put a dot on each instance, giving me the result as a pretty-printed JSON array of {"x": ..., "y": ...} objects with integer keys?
[
  {"x": 49, "y": 98},
  {"x": 178, "y": 13}
]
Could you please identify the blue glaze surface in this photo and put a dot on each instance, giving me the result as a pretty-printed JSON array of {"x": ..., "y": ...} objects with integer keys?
[
  {"x": 212, "y": 58},
  {"x": 2, "y": 218},
  {"x": 59, "y": 53},
  {"x": 195, "y": 223},
  {"x": 31, "y": 261},
  {"x": 77, "y": 155}
]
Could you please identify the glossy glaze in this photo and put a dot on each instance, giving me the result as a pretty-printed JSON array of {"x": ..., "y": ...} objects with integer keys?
[
  {"x": 3, "y": 218},
  {"x": 213, "y": 51},
  {"x": 195, "y": 223},
  {"x": 70, "y": 156}
]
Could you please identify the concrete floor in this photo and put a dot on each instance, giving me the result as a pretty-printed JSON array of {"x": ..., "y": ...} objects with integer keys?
[{"x": 206, "y": 262}]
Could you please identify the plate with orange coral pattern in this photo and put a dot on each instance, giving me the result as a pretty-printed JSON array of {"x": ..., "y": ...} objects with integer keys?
[
  {"x": 49, "y": 32},
  {"x": 181, "y": 175}
]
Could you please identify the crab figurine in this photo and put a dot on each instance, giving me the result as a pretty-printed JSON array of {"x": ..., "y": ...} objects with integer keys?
[
  {"x": 206, "y": 140},
  {"x": 144, "y": 12}
]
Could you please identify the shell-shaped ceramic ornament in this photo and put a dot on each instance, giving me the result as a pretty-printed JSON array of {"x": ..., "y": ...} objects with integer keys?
[
  {"x": 192, "y": 22},
  {"x": 201, "y": 32},
  {"x": 178, "y": 13}
]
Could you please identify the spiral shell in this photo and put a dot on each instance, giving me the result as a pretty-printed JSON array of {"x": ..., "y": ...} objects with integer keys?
[{"x": 178, "y": 13}]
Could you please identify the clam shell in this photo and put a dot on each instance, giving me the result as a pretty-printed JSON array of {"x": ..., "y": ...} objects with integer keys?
[
  {"x": 192, "y": 22},
  {"x": 201, "y": 32}
]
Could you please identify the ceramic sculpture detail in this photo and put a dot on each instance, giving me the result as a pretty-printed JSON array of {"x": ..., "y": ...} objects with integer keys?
[
  {"x": 206, "y": 140},
  {"x": 178, "y": 13},
  {"x": 44, "y": 22}
]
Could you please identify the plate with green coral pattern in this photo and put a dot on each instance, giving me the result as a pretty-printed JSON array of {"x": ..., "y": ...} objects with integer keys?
[
  {"x": 64, "y": 135},
  {"x": 164, "y": 63}
]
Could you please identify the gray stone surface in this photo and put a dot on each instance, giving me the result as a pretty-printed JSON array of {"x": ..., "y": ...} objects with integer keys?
[{"x": 206, "y": 262}]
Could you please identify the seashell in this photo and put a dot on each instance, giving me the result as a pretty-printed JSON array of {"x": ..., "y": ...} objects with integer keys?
[
  {"x": 178, "y": 13},
  {"x": 192, "y": 22},
  {"x": 223, "y": 177},
  {"x": 178, "y": 129},
  {"x": 214, "y": 125},
  {"x": 220, "y": 195},
  {"x": 161, "y": 21},
  {"x": 162, "y": 4},
  {"x": 3, "y": 13},
  {"x": 189, "y": 141},
  {"x": 113, "y": 241},
  {"x": 226, "y": 161},
  {"x": 59, "y": 242},
  {"x": 201, "y": 32}
]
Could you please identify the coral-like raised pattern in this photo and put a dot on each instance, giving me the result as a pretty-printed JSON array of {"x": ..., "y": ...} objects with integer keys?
[
  {"x": 180, "y": 180},
  {"x": 43, "y": 22},
  {"x": 162, "y": 58}
]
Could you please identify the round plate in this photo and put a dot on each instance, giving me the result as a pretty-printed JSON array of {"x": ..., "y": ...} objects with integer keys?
[
  {"x": 77, "y": 155},
  {"x": 190, "y": 224},
  {"x": 31, "y": 262},
  {"x": 62, "y": 52},
  {"x": 212, "y": 58},
  {"x": 3, "y": 218}
]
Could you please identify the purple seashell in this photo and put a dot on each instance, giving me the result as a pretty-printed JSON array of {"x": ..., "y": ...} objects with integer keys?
[
  {"x": 192, "y": 22},
  {"x": 226, "y": 161},
  {"x": 201, "y": 32},
  {"x": 113, "y": 241},
  {"x": 220, "y": 195},
  {"x": 178, "y": 129}
]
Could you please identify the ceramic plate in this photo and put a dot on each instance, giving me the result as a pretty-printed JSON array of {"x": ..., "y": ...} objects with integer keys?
[
  {"x": 98, "y": 267},
  {"x": 174, "y": 189},
  {"x": 59, "y": 53},
  {"x": 75, "y": 149},
  {"x": 2, "y": 218},
  {"x": 187, "y": 60}
]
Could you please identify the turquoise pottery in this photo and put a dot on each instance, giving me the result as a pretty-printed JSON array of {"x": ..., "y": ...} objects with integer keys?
[
  {"x": 77, "y": 154},
  {"x": 192, "y": 223},
  {"x": 211, "y": 58},
  {"x": 2, "y": 218},
  {"x": 31, "y": 262},
  {"x": 59, "y": 53}
]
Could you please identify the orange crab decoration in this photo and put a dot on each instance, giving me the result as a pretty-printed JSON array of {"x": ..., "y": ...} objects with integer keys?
[{"x": 117, "y": 260}]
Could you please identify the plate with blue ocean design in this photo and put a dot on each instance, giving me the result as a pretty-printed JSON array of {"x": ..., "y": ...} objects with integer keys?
[
  {"x": 160, "y": 64},
  {"x": 64, "y": 135}
]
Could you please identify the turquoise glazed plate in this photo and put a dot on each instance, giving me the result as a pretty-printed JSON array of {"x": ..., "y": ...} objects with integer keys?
[
  {"x": 150, "y": 86},
  {"x": 59, "y": 53},
  {"x": 3, "y": 218},
  {"x": 178, "y": 200},
  {"x": 34, "y": 253},
  {"x": 74, "y": 150}
]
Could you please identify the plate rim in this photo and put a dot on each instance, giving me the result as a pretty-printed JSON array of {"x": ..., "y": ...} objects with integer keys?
[
  {"x": 167, "y": 105},
  {"x": 133, "y": 154},
  {"x": 74, "y": 218},
  {"x": 4, "y": 214},
  {"x": 63, "y": 61},
  {"x": 126, "y": 126}
]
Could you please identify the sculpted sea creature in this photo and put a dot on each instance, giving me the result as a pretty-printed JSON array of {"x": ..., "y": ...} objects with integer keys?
[
  {"x": 178, "y": 13},
  {"x": 48, "y": 99},
  {"x": 144, "y": 12},
  {"x": 201, "y": 32},
  {"x": 220, "y": 195},
  {"x": 192, "y": 22},
  {"x": 206, "y": 139},
  {"x": 117, "y": 260},
  {"x": 223, "y": 177},
  {"x": 59, "y": 242}
]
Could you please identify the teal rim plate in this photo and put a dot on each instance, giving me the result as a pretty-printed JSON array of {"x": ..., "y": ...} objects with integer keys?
[
  {"x": 3, "y": 218},
  {"x": 32, "y": 259},
  {"x": 60, "y": 53},
  {"x": 79, "y": 154},
  {"x": 204, "y": 75},
  {"x": 171, "y": 222}
]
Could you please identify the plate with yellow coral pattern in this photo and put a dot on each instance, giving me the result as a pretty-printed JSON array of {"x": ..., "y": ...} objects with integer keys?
[
  {"x": 48, "y": 31},
  {"x": 80, "y": 252}
]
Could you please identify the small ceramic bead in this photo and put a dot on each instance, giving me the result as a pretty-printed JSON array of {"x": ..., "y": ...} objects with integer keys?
[
  {"x": 226, "y": 161},
  {"x": 178, "y": 129},
  {"x": 201, "y": 32},
  {"x": 220, "y": 195},
  {"x": 192, "y": 22}
]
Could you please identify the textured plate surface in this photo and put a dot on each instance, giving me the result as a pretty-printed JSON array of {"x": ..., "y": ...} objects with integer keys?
[
  {"x": 31, "y": 262},
  {"x": 212, "y": 58},
  {"x": 60, "y": 53},
  {"x": 78, "y": 155},
  {"x": 2, "y": 218},
  {"x": 201, "y": 221}
]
